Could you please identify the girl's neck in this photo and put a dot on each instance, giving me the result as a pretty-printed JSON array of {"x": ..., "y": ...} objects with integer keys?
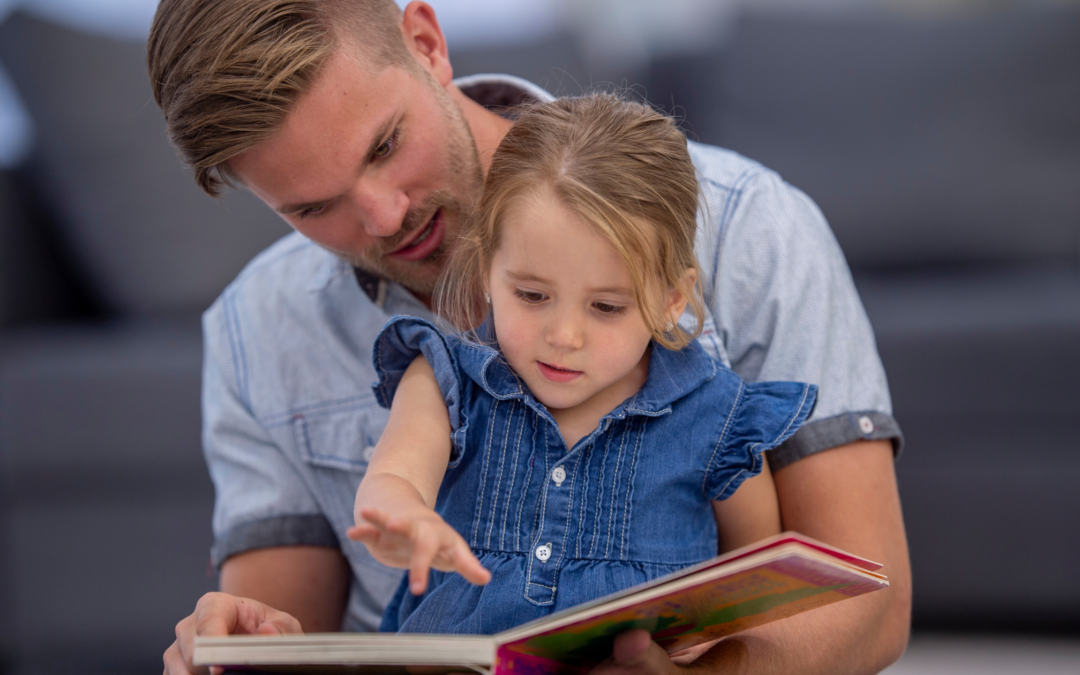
[{"x": 579, "y": 421}]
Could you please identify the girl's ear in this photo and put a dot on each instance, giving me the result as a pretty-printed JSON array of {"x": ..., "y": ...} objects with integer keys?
[{"x": 678, "y": 296}]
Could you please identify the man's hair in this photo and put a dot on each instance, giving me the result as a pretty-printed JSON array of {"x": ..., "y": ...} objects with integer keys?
[
  {"x": 227, "y": 72},
  {"x": 620, "y": 166}
]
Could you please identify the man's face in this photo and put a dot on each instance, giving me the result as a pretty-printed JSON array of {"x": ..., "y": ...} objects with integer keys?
[{"x": 377, "y": 167}]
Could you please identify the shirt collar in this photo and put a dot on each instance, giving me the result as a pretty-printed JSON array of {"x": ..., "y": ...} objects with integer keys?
[{"x": 672, "y": 374}]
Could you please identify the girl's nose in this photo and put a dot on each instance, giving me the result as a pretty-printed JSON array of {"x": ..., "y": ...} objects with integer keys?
[{"x": 566, "y": 331}]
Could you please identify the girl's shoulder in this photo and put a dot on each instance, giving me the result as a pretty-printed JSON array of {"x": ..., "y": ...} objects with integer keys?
[{"x": 715, "y": 407}]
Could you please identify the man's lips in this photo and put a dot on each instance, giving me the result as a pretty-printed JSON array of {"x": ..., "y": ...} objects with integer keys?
[
  {"x": 556, "y": 374},
  {"x": 426, "y": 240}
]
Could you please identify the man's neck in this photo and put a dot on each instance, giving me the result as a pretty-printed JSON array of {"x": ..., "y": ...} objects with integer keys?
[{"x": 487, "y": 127}]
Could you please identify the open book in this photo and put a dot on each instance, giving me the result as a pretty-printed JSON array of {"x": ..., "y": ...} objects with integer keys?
[{"x": 770, "y": 580}]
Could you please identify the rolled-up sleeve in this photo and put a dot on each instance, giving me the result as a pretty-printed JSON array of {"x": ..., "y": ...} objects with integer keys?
[
  {"x": 786, "y": 308},
  {"x": 260, "y": 500}
]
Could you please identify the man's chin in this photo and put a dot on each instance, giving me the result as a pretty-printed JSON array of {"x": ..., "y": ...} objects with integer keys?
[{"x": 420, "y": 277}]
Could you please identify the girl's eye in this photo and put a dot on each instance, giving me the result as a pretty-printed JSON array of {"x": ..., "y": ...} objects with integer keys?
[
  {"x": 531, "y": 297},
  {"x": 609, "y": 310},
  {"x": 387, "y": 146}
]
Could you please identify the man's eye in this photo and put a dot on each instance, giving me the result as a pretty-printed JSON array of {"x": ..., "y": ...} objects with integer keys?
[
  {"x": 610, "y": 310},
  {"x": 531, "y": 297},
  {"x": 312, "y": 211},
  {"x": 387, "y": 146}
]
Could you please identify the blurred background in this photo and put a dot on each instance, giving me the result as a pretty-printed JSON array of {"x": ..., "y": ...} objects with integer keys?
[{"x": 941, "y": 138}]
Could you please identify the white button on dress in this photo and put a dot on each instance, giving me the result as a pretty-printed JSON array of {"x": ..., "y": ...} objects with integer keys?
[
  {"x": 558, "y": 475},
  {"x": 543, "y": 552}
]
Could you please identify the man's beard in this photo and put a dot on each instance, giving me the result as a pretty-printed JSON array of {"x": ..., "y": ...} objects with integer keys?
[{"x": 463, "y": 165}]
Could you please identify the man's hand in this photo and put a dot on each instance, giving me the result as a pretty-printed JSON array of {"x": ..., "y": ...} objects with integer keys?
[
  {"x": 218, "y": 615},
  {"x": 418, "y": 540},
  {"x": 635, "y": 654}
]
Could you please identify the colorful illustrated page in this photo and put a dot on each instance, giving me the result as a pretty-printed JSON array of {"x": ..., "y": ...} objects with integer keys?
[{"x": 702, "y": 613}]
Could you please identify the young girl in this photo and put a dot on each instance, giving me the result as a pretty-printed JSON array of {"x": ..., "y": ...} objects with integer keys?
[{"x": 575, "y": 440}]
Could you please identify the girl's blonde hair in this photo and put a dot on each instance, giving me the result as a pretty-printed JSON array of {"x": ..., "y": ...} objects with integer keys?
[{"x": 624, "y": 169}]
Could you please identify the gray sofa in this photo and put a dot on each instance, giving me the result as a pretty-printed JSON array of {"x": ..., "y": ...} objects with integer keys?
[{"x": 946, "y": 156}]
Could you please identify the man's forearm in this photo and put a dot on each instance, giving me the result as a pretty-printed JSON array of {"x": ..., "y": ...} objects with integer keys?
[
  {"x": 308, "y": 582},
  {"x": 846, "y": 497}
]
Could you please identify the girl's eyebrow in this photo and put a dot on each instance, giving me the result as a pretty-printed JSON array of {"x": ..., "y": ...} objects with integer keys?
[{"x": 529, "y": 276}]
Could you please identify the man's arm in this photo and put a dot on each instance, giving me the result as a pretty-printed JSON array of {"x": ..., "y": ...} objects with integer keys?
[
  {"x": 288, "y": 589},
  {"x": 846, "y": 497},
  {"x": 309, "y": 582}
]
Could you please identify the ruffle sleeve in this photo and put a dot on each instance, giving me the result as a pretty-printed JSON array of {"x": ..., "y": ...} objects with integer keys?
[
  {"x": 765, "y": 415},
  {"x": 401, "y": 340}
]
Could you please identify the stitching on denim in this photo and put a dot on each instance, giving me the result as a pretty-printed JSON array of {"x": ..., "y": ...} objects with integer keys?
[
  {"x": 599, "y": 496},
  {"x": 236, "y": 344},
  {"x": 719, "y": 441},
  {"x": 614, "y": 494},
  {"x": 630, "y": 488},
  {"x": 720, "y": 494},
  {"x": 731, "y": 203},
  {"x": 527, "y": 481},
  {"x": 585, "y": 462},
  {"x": 498, "y": 481},
  {"x": 309, "y": 452},
  {"x": 566, "y": 525},
  {"x": 541, "y": 511},
  {"x": 798, "y": 411},
  {"x": 359, "y": 402},
  {"x": 514, "y": 468},
  {"x": 483, "y": 476}
]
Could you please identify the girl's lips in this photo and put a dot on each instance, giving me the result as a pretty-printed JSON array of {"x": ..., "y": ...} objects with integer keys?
[
  {"x": 557, "y": 374},
  {"x": 424, "y": 243}
]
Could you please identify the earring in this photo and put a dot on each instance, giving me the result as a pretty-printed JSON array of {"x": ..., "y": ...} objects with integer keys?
[
  {"x": 669, "y": 326},
  {"x": 487, "y": 298}
]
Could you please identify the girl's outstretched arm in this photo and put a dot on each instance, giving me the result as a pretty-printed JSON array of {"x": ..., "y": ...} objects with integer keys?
[{"x": 394, "y": 510}]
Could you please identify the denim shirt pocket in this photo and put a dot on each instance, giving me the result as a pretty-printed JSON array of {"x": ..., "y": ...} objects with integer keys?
[{"x": 343, "y": 440}]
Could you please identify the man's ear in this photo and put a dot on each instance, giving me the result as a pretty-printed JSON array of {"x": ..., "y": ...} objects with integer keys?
[{"x": 424, "y": 40}]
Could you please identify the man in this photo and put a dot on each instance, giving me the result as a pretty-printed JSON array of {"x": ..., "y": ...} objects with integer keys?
[{"x": 342, "y": 115}]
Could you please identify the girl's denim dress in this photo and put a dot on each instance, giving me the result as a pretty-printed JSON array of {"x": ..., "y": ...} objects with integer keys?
[{"x": 559, "y": 526}]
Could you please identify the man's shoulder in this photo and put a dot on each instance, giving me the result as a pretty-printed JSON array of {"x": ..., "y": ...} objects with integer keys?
[
  {"x": 723, "y": 168},
  {"x": 282, "y": 274},
  {"x": 739, "y": 191}
]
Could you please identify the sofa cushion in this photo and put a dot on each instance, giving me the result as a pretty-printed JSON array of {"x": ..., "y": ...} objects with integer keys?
[
  {"x": 144, "y": 235},
  {"x": 983, "y": 370},
  {"x": 924, "y": 140},
  {"x": 105, "y": 501}
]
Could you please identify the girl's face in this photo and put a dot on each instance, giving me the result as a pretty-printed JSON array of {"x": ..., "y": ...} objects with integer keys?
[{"x": 564, "y": 310}]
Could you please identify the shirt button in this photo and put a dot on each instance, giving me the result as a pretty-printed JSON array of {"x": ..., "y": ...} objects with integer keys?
[
  {"x": 866, "y": 425},
  {"x": 543, "y": 552},
  {"x": 558, "y": 475}
]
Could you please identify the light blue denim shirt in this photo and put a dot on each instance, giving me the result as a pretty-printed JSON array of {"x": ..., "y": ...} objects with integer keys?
[
  {"x": 290, "y": 419},
  {"x": 558, "y": 526}
]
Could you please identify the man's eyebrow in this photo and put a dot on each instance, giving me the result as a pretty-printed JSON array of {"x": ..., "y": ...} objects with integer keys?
[
  {"x": 529, "y": 276},
  {"x": 377, "y": 140}
]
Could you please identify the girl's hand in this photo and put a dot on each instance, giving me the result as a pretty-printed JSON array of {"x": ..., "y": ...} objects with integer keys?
[{"x": 418, "y": 541}]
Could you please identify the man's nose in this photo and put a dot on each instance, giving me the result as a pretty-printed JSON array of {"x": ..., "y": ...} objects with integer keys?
[
  {"x": 382, "y": 209},
  {"x": 566, "y": 330}
]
